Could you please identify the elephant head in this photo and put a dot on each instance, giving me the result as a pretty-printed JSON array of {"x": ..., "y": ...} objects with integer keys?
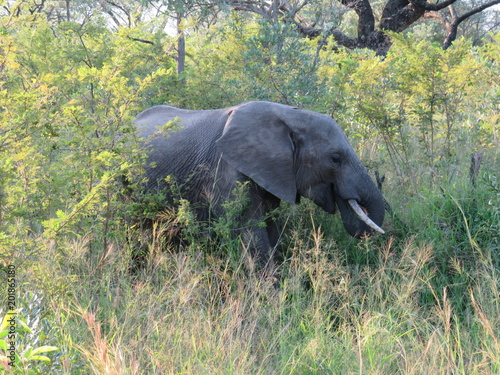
[{"x": 291, "y": 152}]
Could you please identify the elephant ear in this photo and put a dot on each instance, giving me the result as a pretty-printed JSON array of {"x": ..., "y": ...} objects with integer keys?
[{"x": 257, "y": 142}]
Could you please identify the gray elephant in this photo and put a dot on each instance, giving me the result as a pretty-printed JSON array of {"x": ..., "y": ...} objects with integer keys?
[{"x": 283, "y": 152}]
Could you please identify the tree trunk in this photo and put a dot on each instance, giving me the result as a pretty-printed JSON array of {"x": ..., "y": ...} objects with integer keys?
[
  {"x": 68, "y": 14},
  {"x": 475, "y": 165},
  {"x": 181, "y": 49}
]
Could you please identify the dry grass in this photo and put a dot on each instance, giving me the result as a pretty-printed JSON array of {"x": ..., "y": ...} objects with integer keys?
[
  {"x": 377, "y": 306},
  {"x": 190, "y": 313}
]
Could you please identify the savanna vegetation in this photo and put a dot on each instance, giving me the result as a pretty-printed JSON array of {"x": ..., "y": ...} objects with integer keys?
[{"x": 422, "y": 299}]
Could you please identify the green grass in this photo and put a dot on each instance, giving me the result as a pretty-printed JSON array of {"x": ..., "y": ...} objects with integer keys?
[{"x": 419, "y": 303}]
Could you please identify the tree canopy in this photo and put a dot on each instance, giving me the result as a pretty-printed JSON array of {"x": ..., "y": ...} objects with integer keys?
[{"x": 351, "y": 23}]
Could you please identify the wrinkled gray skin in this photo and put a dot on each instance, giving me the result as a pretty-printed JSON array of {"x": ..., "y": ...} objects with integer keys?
[{"x": 283, "y": 152}]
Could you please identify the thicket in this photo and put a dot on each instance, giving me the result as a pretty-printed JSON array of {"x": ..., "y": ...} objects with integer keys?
[{"x": 423, "y": 299}]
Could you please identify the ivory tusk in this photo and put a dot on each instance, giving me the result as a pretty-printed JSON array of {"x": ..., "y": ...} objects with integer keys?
[{"x": 364, "y": 217}]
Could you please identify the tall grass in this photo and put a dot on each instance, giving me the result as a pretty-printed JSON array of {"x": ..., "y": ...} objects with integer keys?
[{"x": 386, "y": 305}]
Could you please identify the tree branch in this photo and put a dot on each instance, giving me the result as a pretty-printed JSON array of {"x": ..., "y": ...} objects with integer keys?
[
  {"x": 423, "y": 4},
  {"x": 366, "y": 21},
  {"x": 452, "y": 34},
  {"x": 343, "y": 39},
  {"x": 258, "y": 7},
  {"x": 141, "y": 40},
  {"x": 440, "y": 18},
  {"x": 398, "y": 15},
  {"x": 127, "y": 13}
]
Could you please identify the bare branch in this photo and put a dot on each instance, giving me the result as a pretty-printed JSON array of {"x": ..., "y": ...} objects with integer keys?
[
  {"x": 249, "y": 6},
  {"x": 292, "y": 11},
  {"x": 423, "y": 4},
  {"x": 126, "y": 11},
  {"x": 141, "y": 40},
  {"x": 452, "y": 34},
  {"x": 438, "y": 16},
  {"x": 397, "y": 16}
]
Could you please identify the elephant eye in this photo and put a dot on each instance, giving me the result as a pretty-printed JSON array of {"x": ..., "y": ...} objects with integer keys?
[{"x": 336, "y": 158}]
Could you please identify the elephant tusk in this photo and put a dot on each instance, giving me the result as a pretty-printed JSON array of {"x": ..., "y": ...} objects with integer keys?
[{"x": 364, "y": 217}]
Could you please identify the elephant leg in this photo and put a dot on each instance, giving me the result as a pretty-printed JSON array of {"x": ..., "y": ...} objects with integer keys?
[
  {"x": 257, "y": 240},
  {"x": 274, "y": 235},
  {"x": 263, "y": 240},
  {"x": 273, "y": 232}
]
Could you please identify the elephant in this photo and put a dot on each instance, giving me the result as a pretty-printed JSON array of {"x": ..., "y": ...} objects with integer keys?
[{"x": 281, "y": 152}]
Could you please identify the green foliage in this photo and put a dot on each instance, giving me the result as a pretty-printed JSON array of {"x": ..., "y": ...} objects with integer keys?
[
  {"x": 491, "y": 220},
  {"x": 68, "y": 96},
  {"x": 242, "y": 60},
  {"x": 428, "y": 107},
  {"x": 31, "y": 337},
  {"x": 279, "y": 66}
]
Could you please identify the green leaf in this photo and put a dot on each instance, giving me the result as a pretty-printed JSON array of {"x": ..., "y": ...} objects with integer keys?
[
  {"x": 40, "y": 358},
  {"x": 5, "y": 322},
  {"x": 24, "y": 326},
  {"x": 43, "y": 349},
  {"x": 27, "y": 352}
]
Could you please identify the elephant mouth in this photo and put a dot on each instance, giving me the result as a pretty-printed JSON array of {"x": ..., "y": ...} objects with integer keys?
[
  {"x": 361, "y": 214},
  {"x": 360, "y": 220}
]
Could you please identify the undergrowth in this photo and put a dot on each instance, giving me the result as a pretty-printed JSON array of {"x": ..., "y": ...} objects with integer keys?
[{"x": 416, "y": 304}]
